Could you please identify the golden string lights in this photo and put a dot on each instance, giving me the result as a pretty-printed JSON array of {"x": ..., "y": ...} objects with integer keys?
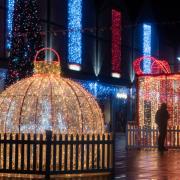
[{"x": 47, "y": 101}]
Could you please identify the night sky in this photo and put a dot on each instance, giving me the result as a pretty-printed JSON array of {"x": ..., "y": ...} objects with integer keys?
[{"x": 165, "y": 14}]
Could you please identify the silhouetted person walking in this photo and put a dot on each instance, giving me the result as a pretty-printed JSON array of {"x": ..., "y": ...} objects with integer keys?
[{"x": 161, "y": 119}]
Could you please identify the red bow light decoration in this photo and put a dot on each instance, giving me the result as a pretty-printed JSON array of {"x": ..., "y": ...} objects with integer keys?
[{"x": 157, "y": 66}]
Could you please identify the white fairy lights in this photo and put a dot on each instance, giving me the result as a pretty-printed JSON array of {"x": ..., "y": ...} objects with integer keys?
[{"x": 147, "y": 47}]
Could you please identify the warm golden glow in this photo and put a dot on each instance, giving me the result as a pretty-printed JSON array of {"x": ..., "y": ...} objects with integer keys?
[
  {"x": 47, "y": 101},
  {"x": 46, "y": 67}
]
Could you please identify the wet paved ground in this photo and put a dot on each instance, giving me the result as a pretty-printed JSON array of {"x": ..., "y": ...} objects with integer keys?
[
  {"x": 135, "y": 165},
  {"x": 146, "y": 165}
]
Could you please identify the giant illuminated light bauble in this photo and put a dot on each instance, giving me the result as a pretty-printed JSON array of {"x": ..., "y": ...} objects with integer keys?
[{"x": 47, "y": 101}]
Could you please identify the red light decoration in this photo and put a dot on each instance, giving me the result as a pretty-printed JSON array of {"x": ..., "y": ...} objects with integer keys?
[
  {"x": 45, "y": 49},
  {"x": 157, "y": 66},
  {"x": 116, "y": 41},
  {"x": 152, "y": 91}
]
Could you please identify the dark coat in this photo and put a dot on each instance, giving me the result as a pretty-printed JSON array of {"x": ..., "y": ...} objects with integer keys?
[{"x": 161, "y": 118}]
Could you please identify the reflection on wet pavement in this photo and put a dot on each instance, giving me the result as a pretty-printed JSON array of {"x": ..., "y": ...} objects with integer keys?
[{"x": 147, "y": 165}]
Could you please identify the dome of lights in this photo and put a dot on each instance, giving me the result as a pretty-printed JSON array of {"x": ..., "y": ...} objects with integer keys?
[{"x": 47, "y": 101}]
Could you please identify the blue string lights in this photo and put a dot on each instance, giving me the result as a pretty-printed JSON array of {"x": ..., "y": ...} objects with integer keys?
[
  {"x": 147, "y": 47},
  {"x": 102, "y": 90},
  {"x": 74, "y": 33},
  {"x": 3, "y": 75},
  {"x": 10, "y": 12}
]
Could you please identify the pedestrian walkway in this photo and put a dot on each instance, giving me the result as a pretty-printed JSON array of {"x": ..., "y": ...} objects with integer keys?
[{"x": 146, "y": 165}]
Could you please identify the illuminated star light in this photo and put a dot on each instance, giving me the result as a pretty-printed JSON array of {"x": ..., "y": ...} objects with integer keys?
[
  {"x": 147, "y": 48},
  {"x": 10, "y": 12},
  {"x": 74, "y": 33}
]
